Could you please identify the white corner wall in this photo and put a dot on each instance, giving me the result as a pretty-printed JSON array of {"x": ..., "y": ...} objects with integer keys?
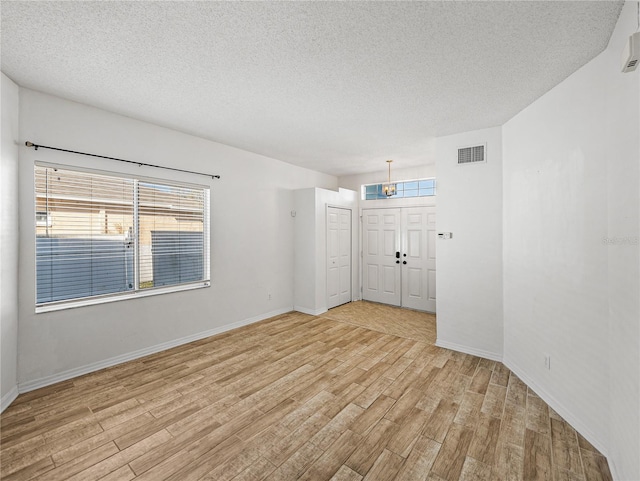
[
  {"x": 469, "y": 265},
  {"x": 622, "y": 117},
  {"x": 9, "y": 242},
  {"x": 304, "y": 249},
  {"x": 251, "y": 241},
  {"x": 310, "y": 246},
  {"x": 571, "y": 255}
]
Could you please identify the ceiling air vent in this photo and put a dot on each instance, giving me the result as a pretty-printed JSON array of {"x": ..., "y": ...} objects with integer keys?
[{"x": 470, "y": 155}]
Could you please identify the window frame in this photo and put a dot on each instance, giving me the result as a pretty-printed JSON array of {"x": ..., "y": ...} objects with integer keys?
[
  {"x": 137, "y": 292},
  {"x": 402, "y": 183}
]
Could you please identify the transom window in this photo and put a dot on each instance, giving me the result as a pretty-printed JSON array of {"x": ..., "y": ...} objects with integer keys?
[
  {"x": 100, "y": 235},
  {"x": 405, "y": 188}
]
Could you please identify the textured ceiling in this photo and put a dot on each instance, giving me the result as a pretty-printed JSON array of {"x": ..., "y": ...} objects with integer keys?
[{"x": 338, "y": 87}]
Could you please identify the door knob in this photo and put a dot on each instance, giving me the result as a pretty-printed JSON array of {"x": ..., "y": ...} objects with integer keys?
[
  {"x": 397, "y": 262},
  {"x": 404, "y": 262}
]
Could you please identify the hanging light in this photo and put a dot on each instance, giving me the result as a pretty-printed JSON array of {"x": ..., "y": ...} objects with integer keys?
[{"x": 389, "y": 189}]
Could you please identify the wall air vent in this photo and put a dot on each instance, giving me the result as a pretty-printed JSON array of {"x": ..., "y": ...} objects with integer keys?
[
  {"x": 631, "y": 53},
  {"x": 470, "y": 155}
]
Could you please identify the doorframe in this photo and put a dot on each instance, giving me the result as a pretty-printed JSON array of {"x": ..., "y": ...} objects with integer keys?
[
  {"x": 377, "y": 205},
  {"x": 354, "y": 252}
]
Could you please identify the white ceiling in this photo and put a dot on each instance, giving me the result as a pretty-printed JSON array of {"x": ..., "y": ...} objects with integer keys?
[{"x": 337, "y": 87}]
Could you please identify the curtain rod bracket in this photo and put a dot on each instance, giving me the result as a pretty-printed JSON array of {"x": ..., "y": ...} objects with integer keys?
[{"x": 140, "y": 164}]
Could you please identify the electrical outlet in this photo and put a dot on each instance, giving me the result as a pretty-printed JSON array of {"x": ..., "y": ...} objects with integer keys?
[{"x": 547, "y": 361}]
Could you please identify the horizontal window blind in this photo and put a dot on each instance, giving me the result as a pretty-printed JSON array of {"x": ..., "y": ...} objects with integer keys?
[
  {"x": 84, "y": 248},
  {"x": 106, "y": 235},
  {"x": 171, "y": 234}
]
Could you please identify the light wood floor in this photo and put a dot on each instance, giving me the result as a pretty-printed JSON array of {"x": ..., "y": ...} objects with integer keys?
[
  {"x": 297, "y": 397},
  {"x": 416, "y": 325}
]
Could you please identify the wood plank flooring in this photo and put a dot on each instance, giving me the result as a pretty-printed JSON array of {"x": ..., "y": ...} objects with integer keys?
[
  {"x": 416, "y": 325},
  {"x": 297, "y": 397}
]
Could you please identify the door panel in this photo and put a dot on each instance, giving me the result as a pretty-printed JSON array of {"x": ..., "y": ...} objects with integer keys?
[
  {"x": 390, "y": 280},
  {"x": 333, "y": 279},
  {"x": 333, "y": 269},
  {"x": 372, "y": 278},
  {"x": 338, "y": 256},
  {"x": 389, "y": 239},
  {"x": 414, "y": 241},
  {"x": 381, "y": 241},
  {"x": 372, "y": 243},
  {"x": 333, "y": 243},
  {"x": 432, "y": 285},
  {"x": 345, "y": 256},
  {"x": 415, "y": 282},
  {"x": 416, "y": 223},
  {"x": 431, "y": 256}
]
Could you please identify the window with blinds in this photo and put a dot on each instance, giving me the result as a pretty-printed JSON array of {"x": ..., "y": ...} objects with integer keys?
[{"x": 103, "y": 235}]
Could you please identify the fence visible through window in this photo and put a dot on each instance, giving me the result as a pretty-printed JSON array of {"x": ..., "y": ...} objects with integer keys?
[{"x": 100, "y": 235}]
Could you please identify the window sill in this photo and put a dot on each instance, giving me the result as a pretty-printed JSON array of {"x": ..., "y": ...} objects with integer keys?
[{"x": 92, "y": 301}]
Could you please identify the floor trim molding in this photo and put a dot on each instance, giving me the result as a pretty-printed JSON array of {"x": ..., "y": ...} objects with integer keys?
[
  {"x": 469, "y": 350},
  {"x": 8, "y": 398},
  {"x": 27, "y": 386},
  {"x": 559, "y": 407},
  {"x": 311, "y": 312}
]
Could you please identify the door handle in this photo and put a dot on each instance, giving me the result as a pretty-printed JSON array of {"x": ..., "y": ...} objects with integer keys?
[
  {"x": 404, "y": 262},
  {"x": 397, "y": 262},
  {"x": 397, "y": 254}
]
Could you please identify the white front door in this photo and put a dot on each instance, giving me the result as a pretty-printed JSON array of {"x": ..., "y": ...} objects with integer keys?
[
  {"x": 338, "y": 256},
  {"x": 399, "y": 263},
  {"x": 381, "y": 255},
  {"x": 418, "y": 258}
]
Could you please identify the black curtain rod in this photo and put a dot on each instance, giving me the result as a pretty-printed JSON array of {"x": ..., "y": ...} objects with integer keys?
[{"x": 36, "y": 146}]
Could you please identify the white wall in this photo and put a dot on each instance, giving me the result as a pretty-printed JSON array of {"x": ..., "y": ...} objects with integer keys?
[
  {"x": 622, "y": 119},
  {"x": 9, "y": 242},
  {"x": 251, "y": 240},
  {"x": 469, "y": 266},
  {"x": 304, "y": 248},
  {"x": 310, "y": 246},
  {"x": 571, "y": 279}
]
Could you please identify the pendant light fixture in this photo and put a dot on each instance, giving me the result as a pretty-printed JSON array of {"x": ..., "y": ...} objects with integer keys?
[{"x": 389, "y": 189}]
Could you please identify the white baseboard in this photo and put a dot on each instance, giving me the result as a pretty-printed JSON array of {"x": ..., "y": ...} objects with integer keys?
[
  {"x": 558, "y": 407},
  {"x": 613, "y": 470},
  {"x": 311, "y": 312},
  {"x": 469, "y": 350},
  {"x": 96, "y": 366},
  {"x": 8, "y": 398}
]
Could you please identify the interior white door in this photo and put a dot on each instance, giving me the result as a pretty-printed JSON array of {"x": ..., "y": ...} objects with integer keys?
[
  {"x": 380, "y": 256},
  {"x": 338, "y": 256},
  {"x": 418, "y": 258}
]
